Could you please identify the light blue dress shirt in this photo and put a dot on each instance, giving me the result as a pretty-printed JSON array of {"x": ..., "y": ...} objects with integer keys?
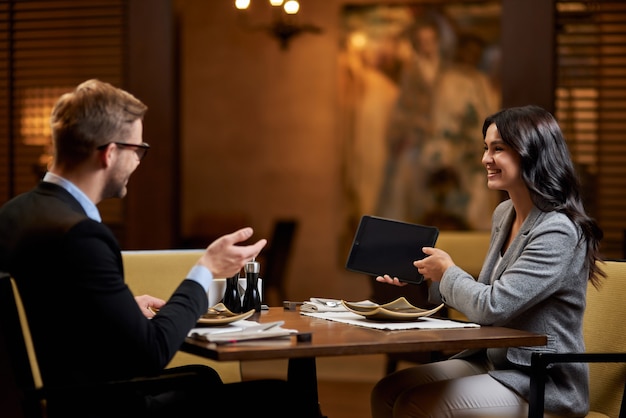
[
  {"x": 88, "y": 206},
  {"x": 198, "y": 274}
]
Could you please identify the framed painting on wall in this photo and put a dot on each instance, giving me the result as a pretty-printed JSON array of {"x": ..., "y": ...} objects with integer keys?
[{"x": 416, "y": 81}]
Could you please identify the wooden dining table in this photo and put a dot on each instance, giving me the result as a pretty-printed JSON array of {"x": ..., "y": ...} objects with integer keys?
[{"x": 321, "y": 338}]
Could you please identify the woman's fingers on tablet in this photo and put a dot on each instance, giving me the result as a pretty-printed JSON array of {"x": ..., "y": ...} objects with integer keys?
[{"x": 388, "y": 279}]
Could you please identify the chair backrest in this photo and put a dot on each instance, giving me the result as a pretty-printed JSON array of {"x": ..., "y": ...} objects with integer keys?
[
  {"x": 604, "y": 328},
  {"x": 468, "y": 249},
  {"x": 158, "y": 273},
  {"x": 19, "y": 373}
]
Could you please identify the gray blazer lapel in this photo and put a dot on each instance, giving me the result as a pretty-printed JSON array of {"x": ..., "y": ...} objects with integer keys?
[
  {"x": 500, "y": 231},
  {"x": 518, "y": 243}
]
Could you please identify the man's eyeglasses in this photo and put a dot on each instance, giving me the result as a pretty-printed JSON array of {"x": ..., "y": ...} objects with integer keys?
[{"x": 140, "y": 149}]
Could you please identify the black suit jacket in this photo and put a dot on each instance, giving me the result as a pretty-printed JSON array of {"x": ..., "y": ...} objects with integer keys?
[{"x": 85, "y": 323}]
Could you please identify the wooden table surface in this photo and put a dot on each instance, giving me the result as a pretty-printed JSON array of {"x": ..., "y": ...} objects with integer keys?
[{"x": 329, "y": 338}]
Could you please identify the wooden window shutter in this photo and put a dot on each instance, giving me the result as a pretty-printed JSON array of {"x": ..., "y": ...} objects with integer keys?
[
  {"x": 48, "y": 47},
  {"x": 591, "y": 107}
]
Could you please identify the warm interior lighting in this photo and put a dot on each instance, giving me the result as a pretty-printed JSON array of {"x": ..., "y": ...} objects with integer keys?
[
  {"x": 36, "y": 105},
  {"x": 242, "y": 4},
  {"x": 358, "y": 40},
  {"x": 292, "y": 7},
  {"x": 284, "y": 25}
]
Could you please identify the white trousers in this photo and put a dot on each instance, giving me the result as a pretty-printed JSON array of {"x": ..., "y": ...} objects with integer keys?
[{"x": 450, "y": 388}]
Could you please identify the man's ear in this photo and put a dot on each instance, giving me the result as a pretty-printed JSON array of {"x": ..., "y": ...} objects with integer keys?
[{"x": 105, "y": 155}]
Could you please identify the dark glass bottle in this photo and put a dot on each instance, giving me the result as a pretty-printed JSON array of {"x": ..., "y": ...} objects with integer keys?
[
  {"x": 232, "y": 297},
  {"x": 252, "y": 298}
]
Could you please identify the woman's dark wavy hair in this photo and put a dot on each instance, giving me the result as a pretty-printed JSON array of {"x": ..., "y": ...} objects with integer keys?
[{"x": 548, "y": 171}]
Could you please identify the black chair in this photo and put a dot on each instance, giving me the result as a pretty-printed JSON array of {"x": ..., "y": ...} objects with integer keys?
[
  {"x": 604, "y": 331},
  {"x": 275, "y": 260},
  {"x": 22, "y": 394},
  {"x": 21, "y": 397},
  {"x": 539, "y": 369}
]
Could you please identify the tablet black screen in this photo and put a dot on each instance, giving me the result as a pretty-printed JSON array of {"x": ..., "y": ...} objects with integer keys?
[{"x": 386, "y": 246}]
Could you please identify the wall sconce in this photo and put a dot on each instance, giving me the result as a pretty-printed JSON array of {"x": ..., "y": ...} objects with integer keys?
[{"x": 284, "y": 25}]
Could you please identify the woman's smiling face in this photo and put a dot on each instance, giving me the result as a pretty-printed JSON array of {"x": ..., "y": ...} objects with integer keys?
[{"x": 502, "y": 163}]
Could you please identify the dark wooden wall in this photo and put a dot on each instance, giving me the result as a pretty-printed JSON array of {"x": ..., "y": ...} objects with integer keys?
[
  {"x": 152, "y": 204},
  {"x": 528, "y": 60}
]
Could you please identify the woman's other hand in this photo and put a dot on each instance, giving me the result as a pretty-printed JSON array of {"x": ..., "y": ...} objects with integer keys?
[{"x": 390, "y": 280}]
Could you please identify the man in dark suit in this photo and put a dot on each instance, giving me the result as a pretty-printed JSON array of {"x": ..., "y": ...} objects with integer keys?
[{"x": 86, "y": 324}]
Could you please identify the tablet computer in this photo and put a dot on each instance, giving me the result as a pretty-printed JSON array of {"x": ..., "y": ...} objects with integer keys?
[{"x": 386, "y": 246}]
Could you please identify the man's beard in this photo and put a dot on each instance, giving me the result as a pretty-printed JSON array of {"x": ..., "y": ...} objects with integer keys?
[{"x": 115, "y": 187}]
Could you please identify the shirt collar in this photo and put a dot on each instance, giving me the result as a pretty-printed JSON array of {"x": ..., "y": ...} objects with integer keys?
[{"x": 88, "y": 206}]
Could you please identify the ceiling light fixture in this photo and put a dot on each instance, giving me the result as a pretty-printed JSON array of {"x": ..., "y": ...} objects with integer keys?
[{"x": 284, "y": 25}]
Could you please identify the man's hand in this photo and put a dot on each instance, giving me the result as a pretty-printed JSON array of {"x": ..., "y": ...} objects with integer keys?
[
  {"x": 224, "y": 258},
  {"x": 148, "y": 304}
]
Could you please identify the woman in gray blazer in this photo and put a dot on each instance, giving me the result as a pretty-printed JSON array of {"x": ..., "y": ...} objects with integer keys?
[{"x": 543, "y": 252}]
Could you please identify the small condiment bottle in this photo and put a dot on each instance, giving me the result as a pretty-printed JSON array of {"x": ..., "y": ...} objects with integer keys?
[
  {"x": 232, "y": 298},
  {"x": 252, "y": 297}
]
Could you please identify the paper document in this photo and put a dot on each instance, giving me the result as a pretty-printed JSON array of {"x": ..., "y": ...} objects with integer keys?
[{"x": 421, "y": 323}]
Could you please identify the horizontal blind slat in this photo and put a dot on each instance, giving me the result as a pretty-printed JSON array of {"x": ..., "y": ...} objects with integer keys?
[
  {"x": 56, "y": 45},
  {"x": 590, "y": 104}
]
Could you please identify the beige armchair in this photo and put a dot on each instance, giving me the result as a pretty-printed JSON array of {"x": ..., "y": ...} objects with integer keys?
[
  {"x": 468, "y": 249},
  {"x": 604, "y": 331},
  {"x": 158, "y": 273}
]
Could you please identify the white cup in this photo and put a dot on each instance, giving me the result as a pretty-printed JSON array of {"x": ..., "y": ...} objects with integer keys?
[{"x": 218, "y": 287}]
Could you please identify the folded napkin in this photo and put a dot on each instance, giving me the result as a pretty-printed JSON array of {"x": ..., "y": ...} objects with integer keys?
[
  {"x": 242, "y": 330},
  {"x": 322, "y": 305}
]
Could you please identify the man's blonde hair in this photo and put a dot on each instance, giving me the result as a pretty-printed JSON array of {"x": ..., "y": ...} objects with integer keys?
[{"x": 94, "y": 114}]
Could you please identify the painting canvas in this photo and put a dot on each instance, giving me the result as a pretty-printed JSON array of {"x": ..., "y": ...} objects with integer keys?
[{"x": 416, "y": 81}]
